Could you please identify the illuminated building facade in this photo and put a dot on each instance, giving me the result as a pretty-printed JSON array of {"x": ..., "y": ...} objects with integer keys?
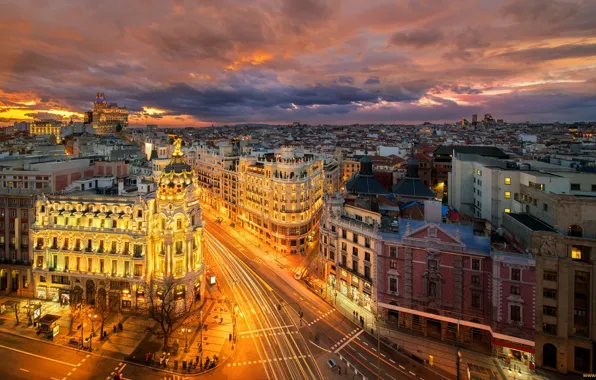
[
  {"x": 86, "y": 247},
  {"x": 281, "y": 197},
  {"x": 105, "y": 116},
  {"x": 46, "y": 127}
]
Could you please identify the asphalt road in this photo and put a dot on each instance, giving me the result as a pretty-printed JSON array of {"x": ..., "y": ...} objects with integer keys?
[{"x": 323, "y": 328}]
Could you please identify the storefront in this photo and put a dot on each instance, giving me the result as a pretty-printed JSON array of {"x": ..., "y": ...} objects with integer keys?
[
  {"x": 366, "y": 296},
  {"x": 343, "y": 287},
  {"x": 140, "y": 296},
  {"x": 355, "y": 294},
  {"x": 509, "y": 351},
  {"x": 42, "y": 292},
  {"x": 53, "y": 294},
  {"x": 126, "y": 299}
]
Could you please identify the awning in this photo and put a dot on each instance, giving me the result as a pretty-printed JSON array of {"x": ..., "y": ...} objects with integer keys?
[{"x": 518, "y": 347}]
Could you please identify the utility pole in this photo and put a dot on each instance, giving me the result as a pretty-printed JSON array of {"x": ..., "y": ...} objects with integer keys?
[{"x": 458, "y": 354}]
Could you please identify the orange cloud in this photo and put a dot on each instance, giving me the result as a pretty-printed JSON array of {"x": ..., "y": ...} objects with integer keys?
[{"x": 254, "y": 59}]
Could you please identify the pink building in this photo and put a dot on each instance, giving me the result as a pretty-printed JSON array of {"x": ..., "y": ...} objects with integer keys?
[{"x": 445, "y": 282}]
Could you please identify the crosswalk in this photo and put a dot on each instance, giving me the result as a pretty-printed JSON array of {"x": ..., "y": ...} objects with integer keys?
[
  {"x": 280, "y": 359},
  {"x": 268, "y": 334},
  {"x": 345, "y": 338},
  {"x": 299, "y": 272},
  {"x": 321, "y": 317}
]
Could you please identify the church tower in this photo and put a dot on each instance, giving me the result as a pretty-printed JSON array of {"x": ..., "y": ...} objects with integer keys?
[{"x": 177, "y": 229}]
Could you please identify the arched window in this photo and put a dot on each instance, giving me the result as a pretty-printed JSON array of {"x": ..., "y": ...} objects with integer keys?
[{"x": 575, "y": 230}]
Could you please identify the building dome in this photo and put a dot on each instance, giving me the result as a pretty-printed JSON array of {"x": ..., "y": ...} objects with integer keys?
[{"x": 176, "y": 177}]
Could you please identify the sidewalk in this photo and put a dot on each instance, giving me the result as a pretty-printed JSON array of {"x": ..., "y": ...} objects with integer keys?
[{"x": 214, "y": 329}]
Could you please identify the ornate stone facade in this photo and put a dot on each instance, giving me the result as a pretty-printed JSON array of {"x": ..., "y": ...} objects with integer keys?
[{"x": 83, "y": 244}]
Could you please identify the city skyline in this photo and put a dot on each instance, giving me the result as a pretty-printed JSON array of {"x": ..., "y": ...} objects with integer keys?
[{"x": 175, "y": 64}]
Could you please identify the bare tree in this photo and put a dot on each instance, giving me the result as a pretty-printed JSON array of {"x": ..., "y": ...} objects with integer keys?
[
  {"x": 168, "y": 304},
  {"x": 16, "y": 306},
  {"x": 77, "y": 311},
  {"x": 106, "y": 307}
]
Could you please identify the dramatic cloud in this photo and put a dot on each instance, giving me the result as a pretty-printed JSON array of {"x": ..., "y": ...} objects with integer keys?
[
  {"x": 179, "y": 62},
  {"x": 417, "y": 38}
]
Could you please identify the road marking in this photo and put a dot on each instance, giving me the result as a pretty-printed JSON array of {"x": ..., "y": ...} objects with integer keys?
[
  {"x": 348, "y": 341},
  {"x": 383, "y": 355},
  {"x": 362, "y": 356},
  {"x": 316, "y": 345},
  {"x": 392, "y": 361},
  {"x": 121, "y": 368},
  {"x": 390, "y": 376},
  {"x": 412, "y": 373},
  {"x": 271, "y": 328},
  {"x": 402, "y": 367},
  {"x": 37, "y": 356},
  {"x": 24, "y": 370}
]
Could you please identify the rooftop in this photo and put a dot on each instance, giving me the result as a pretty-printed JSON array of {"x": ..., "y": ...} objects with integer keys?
[{"x": 531, "y": 222}]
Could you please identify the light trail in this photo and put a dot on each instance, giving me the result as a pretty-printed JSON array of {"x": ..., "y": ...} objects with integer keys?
[{"x": 250, "y": 288}]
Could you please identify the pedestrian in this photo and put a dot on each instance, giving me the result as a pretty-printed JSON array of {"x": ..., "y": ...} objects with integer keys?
[
  {"x": 147, "y": 357},
  {"x": 114, "y": 329},
  {"x": 120, "y": 326},
  {"x": 339, "y": 370}
]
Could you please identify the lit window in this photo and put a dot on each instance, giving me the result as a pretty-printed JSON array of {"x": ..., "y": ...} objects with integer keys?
[
  {"x": 576, "y": 253},
  {"x": 507, "y": 210},
  {"x": 508, "y": 195},
  {"x": 507, "y": 181}
]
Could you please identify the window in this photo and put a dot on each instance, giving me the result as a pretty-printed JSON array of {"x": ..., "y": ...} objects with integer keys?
[
  {"x": 66, "y": 262},
  {"x": 367, "y": 272},
  {"x": 393, "y": 252},
  {"x": 549, "y": 293},
  {"x": 354, "y": 251},
  {"x": 139, "y": 213},
  {"x": 432, "y": 265},
  {"x": 475, "y": 264},
  {"x": 549, "y": 328},
  {"x": 476, "y": 300},
  {"x": 127, "y": 268},
  {"x": 367, "y": 256},
  {"x": 580, "y": 253},
  {"x": 550, "y": 275},
  {"x": 507, "y": 181},
  {"x": 89, "y": 265},
  {"x": 355, "y": 265},
  {"x": 515, "y": 313},
  {"x": 344, "y": 234},
  {"x": 344, "y": 246},
  {"x": 367, "y": 242},
  {"x": 593, "y": 187},
  {"x": 355, "y": 238},
  {"x": 42, "y": 278},
  {"x": 508, "y": 195},
  {"x": 393, "y": 264},
  {"x": 55, "y": 261},
  {"x": 544, "y": 207},
  {"x": 101, "y": 267},
  {"x": 507, "y": 210},
  {"x": 39, "y": 261},
  {"x": 575, "y": 186},
  {"x": 78, "y": 264},
  {"x": 138, "y": 270},
  {"x": 549, "y": 310},
  {"x": 514, "y": 291},
  {"x": 114, "y": 267},
  {"x": 476, "y": 280},
  {"x": 393, "y": 284},
  {"x": 515, "y": 274}
]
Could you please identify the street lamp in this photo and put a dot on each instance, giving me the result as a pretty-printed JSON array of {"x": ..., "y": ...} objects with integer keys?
[
  {"x": 185, "y": 332},
  {"x": 201, "y": 344}
]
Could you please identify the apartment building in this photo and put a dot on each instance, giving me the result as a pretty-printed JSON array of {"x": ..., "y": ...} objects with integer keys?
[
  {"x": 486, "y": 187},
  {"x": 281, "y": 197},
  {"x": 560, "y": 229},
  {"x": 86, "y": 247},
  {"x": 16, "y": 219}
]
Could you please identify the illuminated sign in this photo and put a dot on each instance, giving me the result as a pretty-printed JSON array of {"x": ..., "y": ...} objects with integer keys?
[
  {"x": 190, "y": 204},
  {"x": 56, "y": 330}
]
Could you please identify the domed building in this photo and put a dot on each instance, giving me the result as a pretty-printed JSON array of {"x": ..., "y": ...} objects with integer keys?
[{"x": 177, "y": 229}]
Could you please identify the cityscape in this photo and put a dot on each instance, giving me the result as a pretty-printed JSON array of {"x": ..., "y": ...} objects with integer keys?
[{"x": 298, "y": 190}]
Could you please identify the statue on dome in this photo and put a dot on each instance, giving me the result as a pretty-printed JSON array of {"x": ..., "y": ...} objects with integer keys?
[{"x": 177, "y": 146}]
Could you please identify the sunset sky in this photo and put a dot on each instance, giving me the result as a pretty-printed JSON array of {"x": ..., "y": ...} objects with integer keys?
[{"x": 195, "y": 62}]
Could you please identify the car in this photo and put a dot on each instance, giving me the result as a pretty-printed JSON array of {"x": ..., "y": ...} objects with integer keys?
[{"x": 331, "y": 363}]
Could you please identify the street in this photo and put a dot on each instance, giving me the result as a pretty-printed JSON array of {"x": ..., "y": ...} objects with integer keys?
[{"x": 262, "y": 285}]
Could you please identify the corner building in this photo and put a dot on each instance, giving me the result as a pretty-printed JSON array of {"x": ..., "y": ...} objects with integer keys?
[
  {"x": 86, "y": 246},
  {"x": 281, "y": 197}
]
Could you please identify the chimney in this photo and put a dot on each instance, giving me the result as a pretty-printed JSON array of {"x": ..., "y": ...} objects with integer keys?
[
  {"x": 120, "y": 186},
  {"x": 433, "y": 211}
]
